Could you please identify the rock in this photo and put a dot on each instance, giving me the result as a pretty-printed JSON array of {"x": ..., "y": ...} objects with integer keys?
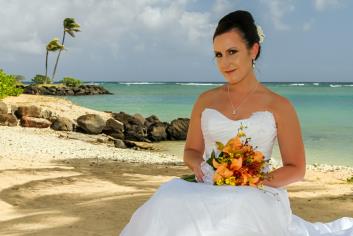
[
  {"x": 114, "y": 128},
  {"x": 8, "y": 120},
  {"x": 62, "y": 124},
  {"x": 140, "y": 118},
  {"x": 33, "y": 122},
  {"x": 31, "y": 111},
  {"x": 114, "y": 125},
  {"x": 65, "y": 91},
  {"x": 3, "y": 108},
  {"x": 118, "y": 143},
  {"x": 46, "y": 114},
  {"x": 93, "y": 138},
  {"x": 177, "y": 130},
  {"x": 91, "y": 123},
  {"x": 13, "y": 109},
  {"x": 157, "y": 132},
  {"x": 153, "y": 119},
  {"x": 117, "y": 135},
  {"x": 133, "y": 128},
  {"x": 138, "y": 145}
]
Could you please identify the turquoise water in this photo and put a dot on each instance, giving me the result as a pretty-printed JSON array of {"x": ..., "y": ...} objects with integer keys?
[{"x": 325, "y": 110}]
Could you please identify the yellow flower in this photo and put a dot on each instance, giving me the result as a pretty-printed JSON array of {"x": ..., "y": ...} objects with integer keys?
[
  {"x": 241, "y": 133},
  {"x": 220, "y": 182}
]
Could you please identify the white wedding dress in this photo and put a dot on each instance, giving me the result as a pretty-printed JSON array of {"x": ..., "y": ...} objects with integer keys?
[{"x": 182, "y": 208}]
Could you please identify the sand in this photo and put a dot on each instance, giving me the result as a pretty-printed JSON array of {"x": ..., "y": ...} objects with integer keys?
[{"x": 51, "y": 185}]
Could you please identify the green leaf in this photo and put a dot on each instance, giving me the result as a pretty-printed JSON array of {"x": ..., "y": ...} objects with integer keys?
[{"x": 190, "y": 178}]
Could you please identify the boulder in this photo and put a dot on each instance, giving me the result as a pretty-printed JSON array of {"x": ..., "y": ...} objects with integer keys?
[
  {"x": 177, "y": 130},
  {"x": 31, "y": 111},
  {"x": 140, "y": 118},
  {"x": 8, "y": 120},
  {"x": 34, "y": 122},
  {"x": 3, "y": 108},
  {"x": 153, "y": 119},
  {"x": 62, "y": 124},
  {"x": 117, "y": 135},
  {"x": 91, "y": 123},
  {"x": 157, "y": 132},
  {"x": 114, "y": 125},
  {"x": 118, "y": 143},
  {"x": 133, "y": 127},
  {"x": 114, "y": 128}
]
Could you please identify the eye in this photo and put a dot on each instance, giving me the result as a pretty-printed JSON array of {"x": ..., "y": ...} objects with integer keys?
[
  {"x": 217, "y": 54},
  {"x": 232, "y": 51}
]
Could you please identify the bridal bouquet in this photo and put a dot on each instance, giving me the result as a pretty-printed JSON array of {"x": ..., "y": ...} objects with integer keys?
[{"x": 238, "y": 163}]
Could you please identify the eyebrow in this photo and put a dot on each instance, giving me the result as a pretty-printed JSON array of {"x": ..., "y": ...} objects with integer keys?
[{"x": 232, "y": 48}]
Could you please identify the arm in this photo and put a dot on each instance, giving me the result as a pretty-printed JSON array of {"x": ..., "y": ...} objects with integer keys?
[
  {"x": 291, "y": 147},
  {"x": 194, "y": 146}
]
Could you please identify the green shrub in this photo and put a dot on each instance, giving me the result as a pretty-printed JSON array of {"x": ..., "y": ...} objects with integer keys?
[
  {"x": 8, "y": 85},
  {"x": 71, "y": 82},
  {"x": 20, "y": 78},
  {"x": 41, "y": 79}
]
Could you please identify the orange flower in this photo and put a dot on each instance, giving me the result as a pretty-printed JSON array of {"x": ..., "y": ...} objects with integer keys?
[
  {"x": 246, "y": 148},
  {"x": 236, "y": 164},
  {"x": 233, "y": 145},
  {"x": 216, "y": 164},
  {"x": 224, "y": 171},
  {"x": 259, "y": 157},
  {"x": 253, "y": 181},
  {"x": 245, "y": 177}
]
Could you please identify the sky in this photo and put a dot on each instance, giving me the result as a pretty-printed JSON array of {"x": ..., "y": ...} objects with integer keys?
[{"x": 171, "y": 40}]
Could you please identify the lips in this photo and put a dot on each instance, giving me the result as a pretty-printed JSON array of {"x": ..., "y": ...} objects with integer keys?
[{"x": 229, "y": 71}]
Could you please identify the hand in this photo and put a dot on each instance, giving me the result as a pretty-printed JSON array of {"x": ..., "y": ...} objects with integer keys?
[{"x": 198, "y": 172}]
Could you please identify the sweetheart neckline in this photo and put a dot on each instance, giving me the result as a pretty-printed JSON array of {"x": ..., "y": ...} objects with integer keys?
[{"x": 248, "y": 118}]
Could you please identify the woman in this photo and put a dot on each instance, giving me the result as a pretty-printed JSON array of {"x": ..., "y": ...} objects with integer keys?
[{"x": 185, "y": 208}]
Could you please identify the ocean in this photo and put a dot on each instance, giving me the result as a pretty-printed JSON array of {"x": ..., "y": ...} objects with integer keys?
[{"x": 325, "y": 111}]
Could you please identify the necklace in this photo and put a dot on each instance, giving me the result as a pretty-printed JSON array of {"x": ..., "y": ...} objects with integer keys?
[{"x": 234, "y": 111}]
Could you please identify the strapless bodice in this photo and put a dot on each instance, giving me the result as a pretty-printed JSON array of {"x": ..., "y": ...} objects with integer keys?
[{"x": 261, "y": 128}]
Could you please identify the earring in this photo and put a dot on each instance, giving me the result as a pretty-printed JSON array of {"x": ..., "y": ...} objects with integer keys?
[{"x": 253, "y": 63}]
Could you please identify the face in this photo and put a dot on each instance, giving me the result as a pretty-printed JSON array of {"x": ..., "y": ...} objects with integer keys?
[{"x": 234, "y": 58}]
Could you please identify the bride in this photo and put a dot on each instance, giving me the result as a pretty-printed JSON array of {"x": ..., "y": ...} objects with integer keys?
[{"x": 182, "y": 208}]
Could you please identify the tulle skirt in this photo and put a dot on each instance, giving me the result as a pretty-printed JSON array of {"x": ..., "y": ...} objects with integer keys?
[{"x": 182, "y": 208}]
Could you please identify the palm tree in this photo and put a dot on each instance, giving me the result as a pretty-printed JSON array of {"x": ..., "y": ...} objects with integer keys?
[
  {"x": 70, "y": 27},
  {"x": 52, "y": 46}
]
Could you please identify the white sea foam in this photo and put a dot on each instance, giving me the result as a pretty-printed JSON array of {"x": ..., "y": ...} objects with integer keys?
[
  {"x": 139, "y": 83},
  {"x": 193, "y": 84},
  {"x": 335, "y": 85},
  {"x": 92, "y": 83},
  {"x": 297, "y": 84},
  {"x": 316, "y": 84}
]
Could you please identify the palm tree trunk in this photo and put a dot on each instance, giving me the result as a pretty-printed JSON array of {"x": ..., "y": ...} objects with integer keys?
[
  {"x": 57, "y": 59},
  {"x": 46, "y": 65}
]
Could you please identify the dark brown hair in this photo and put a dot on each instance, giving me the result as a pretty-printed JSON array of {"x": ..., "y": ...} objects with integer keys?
[{"x": 244, "y": 23}]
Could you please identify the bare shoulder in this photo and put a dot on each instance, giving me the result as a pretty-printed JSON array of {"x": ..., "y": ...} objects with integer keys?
[
  {"x": 283, "y": 109},
  {"x": 206, "y": 97}
]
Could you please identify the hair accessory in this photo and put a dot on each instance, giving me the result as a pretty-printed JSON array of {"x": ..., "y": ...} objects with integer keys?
[{"x": 260, "y": 32}]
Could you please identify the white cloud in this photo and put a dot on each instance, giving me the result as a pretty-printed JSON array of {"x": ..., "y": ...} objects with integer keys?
[
  {"x": 308, "y": 25},
  {"x": 220, "y": 7},
  {"x": 278, "y": 9},
  {"x": 28, "y": 25},
  {"x": 322, "y": 5}
]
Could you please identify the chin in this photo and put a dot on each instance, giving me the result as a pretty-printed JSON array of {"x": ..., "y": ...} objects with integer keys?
[{"x": 232, "y": 80}]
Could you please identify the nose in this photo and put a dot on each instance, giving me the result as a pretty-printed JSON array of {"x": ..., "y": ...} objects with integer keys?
[{"x": 225, "y": 63}]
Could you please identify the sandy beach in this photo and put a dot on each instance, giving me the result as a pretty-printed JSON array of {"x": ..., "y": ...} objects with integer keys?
[{"x": 51, "y": 184}]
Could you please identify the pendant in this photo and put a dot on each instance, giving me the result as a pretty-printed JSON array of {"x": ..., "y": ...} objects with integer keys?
[{"x": 234, "y": 112}]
